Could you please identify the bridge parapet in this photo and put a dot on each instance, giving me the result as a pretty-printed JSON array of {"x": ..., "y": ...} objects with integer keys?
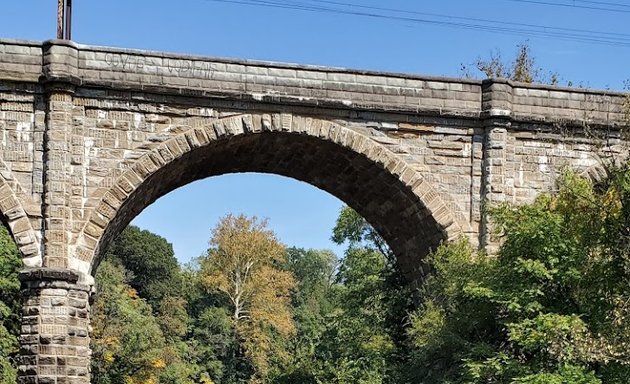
[
  {"x": 20, "y": 60},
  {"x": 276, "y": 82},
  {"x": 536, "y": 102},
  {"x": 165, "y": 73}
]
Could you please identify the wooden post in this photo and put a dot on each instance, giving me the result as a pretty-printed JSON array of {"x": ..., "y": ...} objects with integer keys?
[
  {"x": 64, "y": 19},
  {"x": 61, "y": 10}
]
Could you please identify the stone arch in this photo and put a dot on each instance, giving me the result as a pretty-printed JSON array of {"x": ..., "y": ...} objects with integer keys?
[
  {"x": 605, "y": 159},
  {"x": 595, "y": 173},
  {"x": 18, "y": 222},
  {"x": 383, "y": 188}
]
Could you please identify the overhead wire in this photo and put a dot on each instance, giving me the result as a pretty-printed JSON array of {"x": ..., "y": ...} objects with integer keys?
[
  {"x": 588, "y": 7},
  {"x": 622, "y": 5},
  {"x": 544, "y": 27},
  {"x": 521, "y": 29}
]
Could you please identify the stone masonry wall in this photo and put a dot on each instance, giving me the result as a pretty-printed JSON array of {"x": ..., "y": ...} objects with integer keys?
[
  {"x": 22, "y": 126},
  {"x": 55, "y": 343},
  {"x": 472, "y": 141}
]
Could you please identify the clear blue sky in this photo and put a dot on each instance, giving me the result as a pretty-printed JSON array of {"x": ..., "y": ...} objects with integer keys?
[{"x": 300, "y": 214}]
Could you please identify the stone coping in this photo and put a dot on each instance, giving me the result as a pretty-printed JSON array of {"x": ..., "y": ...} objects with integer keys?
[
  {"x": 310, "y": 67},
  {"x": 61, "y": 61}
]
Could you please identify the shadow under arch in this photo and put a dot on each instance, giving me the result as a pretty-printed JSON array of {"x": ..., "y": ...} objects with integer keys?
[{"x": 379, "y": 185}]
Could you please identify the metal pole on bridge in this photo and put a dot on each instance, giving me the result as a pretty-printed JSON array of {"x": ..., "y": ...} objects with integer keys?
[{"x": 68, "y": 20}]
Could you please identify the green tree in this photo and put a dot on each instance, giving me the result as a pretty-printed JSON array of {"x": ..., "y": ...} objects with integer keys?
[
  {"x": 356, "y": 347},
  {"x": 315, "y": 273},
  {"x": 216, "y": 348},
  {"x": 142, "y": 286},
  {"x": 353, "y": 229},
  {"x": 10, "y": 303},
  {"x": 552, "y": 307},
  {"x": 127, "y": 339},
  {"x": 154, "y": 271},
  {"x": 213, "y": 342},
  {"x": 364, "y": 339}
]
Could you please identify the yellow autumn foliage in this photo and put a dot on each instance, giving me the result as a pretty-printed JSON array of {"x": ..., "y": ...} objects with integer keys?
[
  {"x": 108, "y": 357},
  {"x": 243, "y": 264},
  {"x": 111, "y": 341},
  {"x": 132, "y": 293},
  {"x": 158, "y": 363}
]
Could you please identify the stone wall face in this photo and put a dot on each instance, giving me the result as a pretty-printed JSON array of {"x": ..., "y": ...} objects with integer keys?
[
  {"x": 55, "y": 343},
  {"x": 75, "y": 118},
  {"x": 90, "y": 136},
  {"x": 117, "y": 150},
  {"x": 21, "y": 60},
  {"x": 22, "y": 126}
]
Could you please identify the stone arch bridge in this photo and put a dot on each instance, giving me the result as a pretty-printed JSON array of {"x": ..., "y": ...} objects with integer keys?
[{"x": 90, "y": 136}]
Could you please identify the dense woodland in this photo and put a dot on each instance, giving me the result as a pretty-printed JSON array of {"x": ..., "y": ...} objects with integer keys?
[
  {"x": 551, "y": 307},
  {"x": 250, "y": 310}
]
